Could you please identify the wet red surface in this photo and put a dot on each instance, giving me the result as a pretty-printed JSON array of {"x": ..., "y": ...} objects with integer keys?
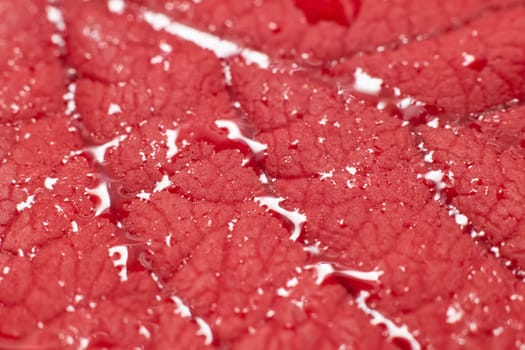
[
  {"x": 314, "y": 31},
  {"x": 155, "y": 195}
]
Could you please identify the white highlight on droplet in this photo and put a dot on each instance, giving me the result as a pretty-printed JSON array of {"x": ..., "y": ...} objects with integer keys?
[
  {"x": 264, "y": 179},
  {"x": 50, "y": 182},
  {"x": 234, "y": 133},
  {"x": 394, "y": 331},
  {"x": 365, "y": 83},
  {"x": 101, "y": 191},
  {"x": 292, "y": 282},
  {"x": 99, "y": 152},
  {"x": 144, "y": 332},
  {"x": 324, "y": 270},
  {"x": 282, "y": 292},
  {"x": 404, "y": 103},
  {"x": 182, "y": 309},
  {"x": 156, "y": 59},
  {"x": 69, "y": 97},
  {"x": 143, "y": 195},
  {"x": 351, "y": 170},
  {"x": 204, "y": 330},
  {"x": 83, "y": 343},
  {"x": 454, "y": 314},
  {"x": 231, "y": 225},
  {"x": 116, "y": 6},
  {"x": 467, "y": 59},
  {"x": 165, "y": 47},
  {"x": 28, "y": 203},
  {"x": 168, "y": 239},
  {"x": 436, "y": 176},
  {"x": 326, "y": 175},
  {"x": 114, "y": 109},
  {"x": 434, "y": 123},
  {"x": 460, "y": 218},
  {"x": 122, "y": 252},
  {"x": 164, "y": 183},
  {"x": 297, "y": 219},
  {"x": 74, "y": 226},
  {"x": 428, "y": 158},
  {"x": 313, "y": 249},
  {"x": 58, "y": 40},
  {"x": 54, "y": 15},
  {"x": 221, "y": 48},
  {"x": 171, "y": 142}
]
